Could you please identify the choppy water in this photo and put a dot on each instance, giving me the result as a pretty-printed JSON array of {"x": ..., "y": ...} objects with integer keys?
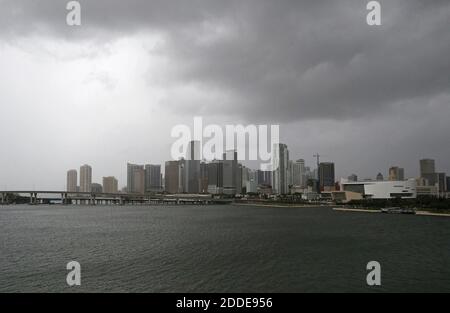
[{"x": 219, "y": 249}]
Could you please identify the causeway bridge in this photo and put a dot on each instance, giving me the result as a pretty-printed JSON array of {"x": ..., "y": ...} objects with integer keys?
[{"x": 101, "y": 198}]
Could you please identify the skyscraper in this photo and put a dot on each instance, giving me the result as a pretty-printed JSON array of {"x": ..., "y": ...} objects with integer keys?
[
  {"x": 72, "y": 180},
  {"x": 230, "y": 172},
  {"x": 215, "y": 177},
  {"x": 110, "y": 184},
  {"x": 172, "y": 179},
  {"x": 326, "y": 176},
  {"x": 442, "y": 182},
  {"x": 135, "y": 178},
  {"x": 85, "y": 178},
  {"x": 192, "y": 167},
  {"x": 428, "y": 171},
  {"x": 427, "y": 166},
  {"x": 396, "y": 173},
  {"x": 152, "y": 178},
  {"x": 280, "y": 166},
  {"x": 298, "y": 173}
]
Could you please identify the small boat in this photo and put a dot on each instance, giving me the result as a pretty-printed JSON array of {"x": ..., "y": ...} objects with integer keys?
[{"x": 398, "y": 210}]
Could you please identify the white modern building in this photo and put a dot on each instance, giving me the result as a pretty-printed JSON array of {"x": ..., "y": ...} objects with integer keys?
[{"x": 382, "y": 189}]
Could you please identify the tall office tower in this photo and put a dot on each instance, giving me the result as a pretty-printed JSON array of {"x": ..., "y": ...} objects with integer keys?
[
  {"x": 172, "y": 179},
  {"x": 230, "y": 172},
  {"x": 251, "y": 185},
  {"x": 72, "y": 180},
  {"x": 380, "y": 177},
  {"x": 239, "y": 184},
  {"x": 110, "y": 184},
  {"x": 326, "y": 176},
  {"x": 192, "y": 167},
  {"x": 427, "y": 166},
  {"x": 280, "y": 166},
  {"x": 153, "y": 178},
  {"x": 135, "y": 178},
  {"x": 96, "y": 188},
  {"x": 85, "y": 178},
  {"x": 447, "y": 183},
  {"x": 428, "y": 171},
  {"x": 203, "y": 177},
  {"x": 264, "y": 177},
  {"x": 298, "y": 173},
  {"x": 290, "y": 172},
  {"x": 353, "y": 178},
  {"x": 442, "y": 182},
  {"x": 396, "y": 173},
  {"x": 215, "y": 177}
]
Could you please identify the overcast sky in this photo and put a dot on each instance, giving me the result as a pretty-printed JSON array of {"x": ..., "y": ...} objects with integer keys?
[{"x": 110, "y": 91}]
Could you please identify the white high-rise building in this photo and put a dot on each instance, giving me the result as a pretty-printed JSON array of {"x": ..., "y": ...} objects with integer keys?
[
  {"x": 85, "y": 178},
  {"x": 280, "y": 167},
  {"x": 72, "y": 181}
]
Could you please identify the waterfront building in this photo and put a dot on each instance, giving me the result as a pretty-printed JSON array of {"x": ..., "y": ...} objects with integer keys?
[
  {"x": 299, "y": 173},
  {"x": 135, "y": 178},
  {"x": 326, "y": 176},
  {"x": 280, "y": 167},
  {"x": 72, "y": 181},
  {"x": 172, "y": 179},
  {"x": 110, "y": 184},
  {"x": 231, "y": 173},
  {"x": 215, "y": 177},
  {"x": 85, "y": 178},
  {"x": 153, "y": 178},
  {"x": 396, "y": 173},
  {"x": 382, "y": 189}
]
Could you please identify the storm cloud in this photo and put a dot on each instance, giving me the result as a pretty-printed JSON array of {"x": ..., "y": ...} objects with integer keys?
[{"x": 367, "y": 96}]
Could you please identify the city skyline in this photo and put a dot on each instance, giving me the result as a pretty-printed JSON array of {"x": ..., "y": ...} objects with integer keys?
[{"x": 190, "y": 174}]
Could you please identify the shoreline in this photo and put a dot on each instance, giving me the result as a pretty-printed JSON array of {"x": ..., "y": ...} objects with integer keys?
[
  {"x": 278, "y": 205},
  {"x": 422, "y": 213}
]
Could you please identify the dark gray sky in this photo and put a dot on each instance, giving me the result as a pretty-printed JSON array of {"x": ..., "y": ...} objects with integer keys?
[{"x": 110, "y": 90}]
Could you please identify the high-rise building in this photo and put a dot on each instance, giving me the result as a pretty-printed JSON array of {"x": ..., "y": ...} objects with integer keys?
[
  {"x": 448, "y": 183},
  {"x": 442, "y": 183},
  {"x": 299, "y": 173},
  {"x": 396, "y": 173},
  {"x": 238, "y": 178},
  {"x": 326, "y": 176},
  {"x": 427, "y": 166},
  {"x": 85, "y": 178},
  {"x": 153, "y": 178},
  {"x": 230, "y": 172},
  {"x": 264, "y": 177},
  {"x": 110, "y": 184},
  {"x": 72, "y": 181},
  {"x": 215, "y": 177},
  {"x": 428, "y": 171},
  {"x": 172, "y": 179},
  {"x": 192, "y": 167},
  {"x": 135, "y": 178},
  {"x": 280, "y": 167},
  {"x": 203, "y": 177}
]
